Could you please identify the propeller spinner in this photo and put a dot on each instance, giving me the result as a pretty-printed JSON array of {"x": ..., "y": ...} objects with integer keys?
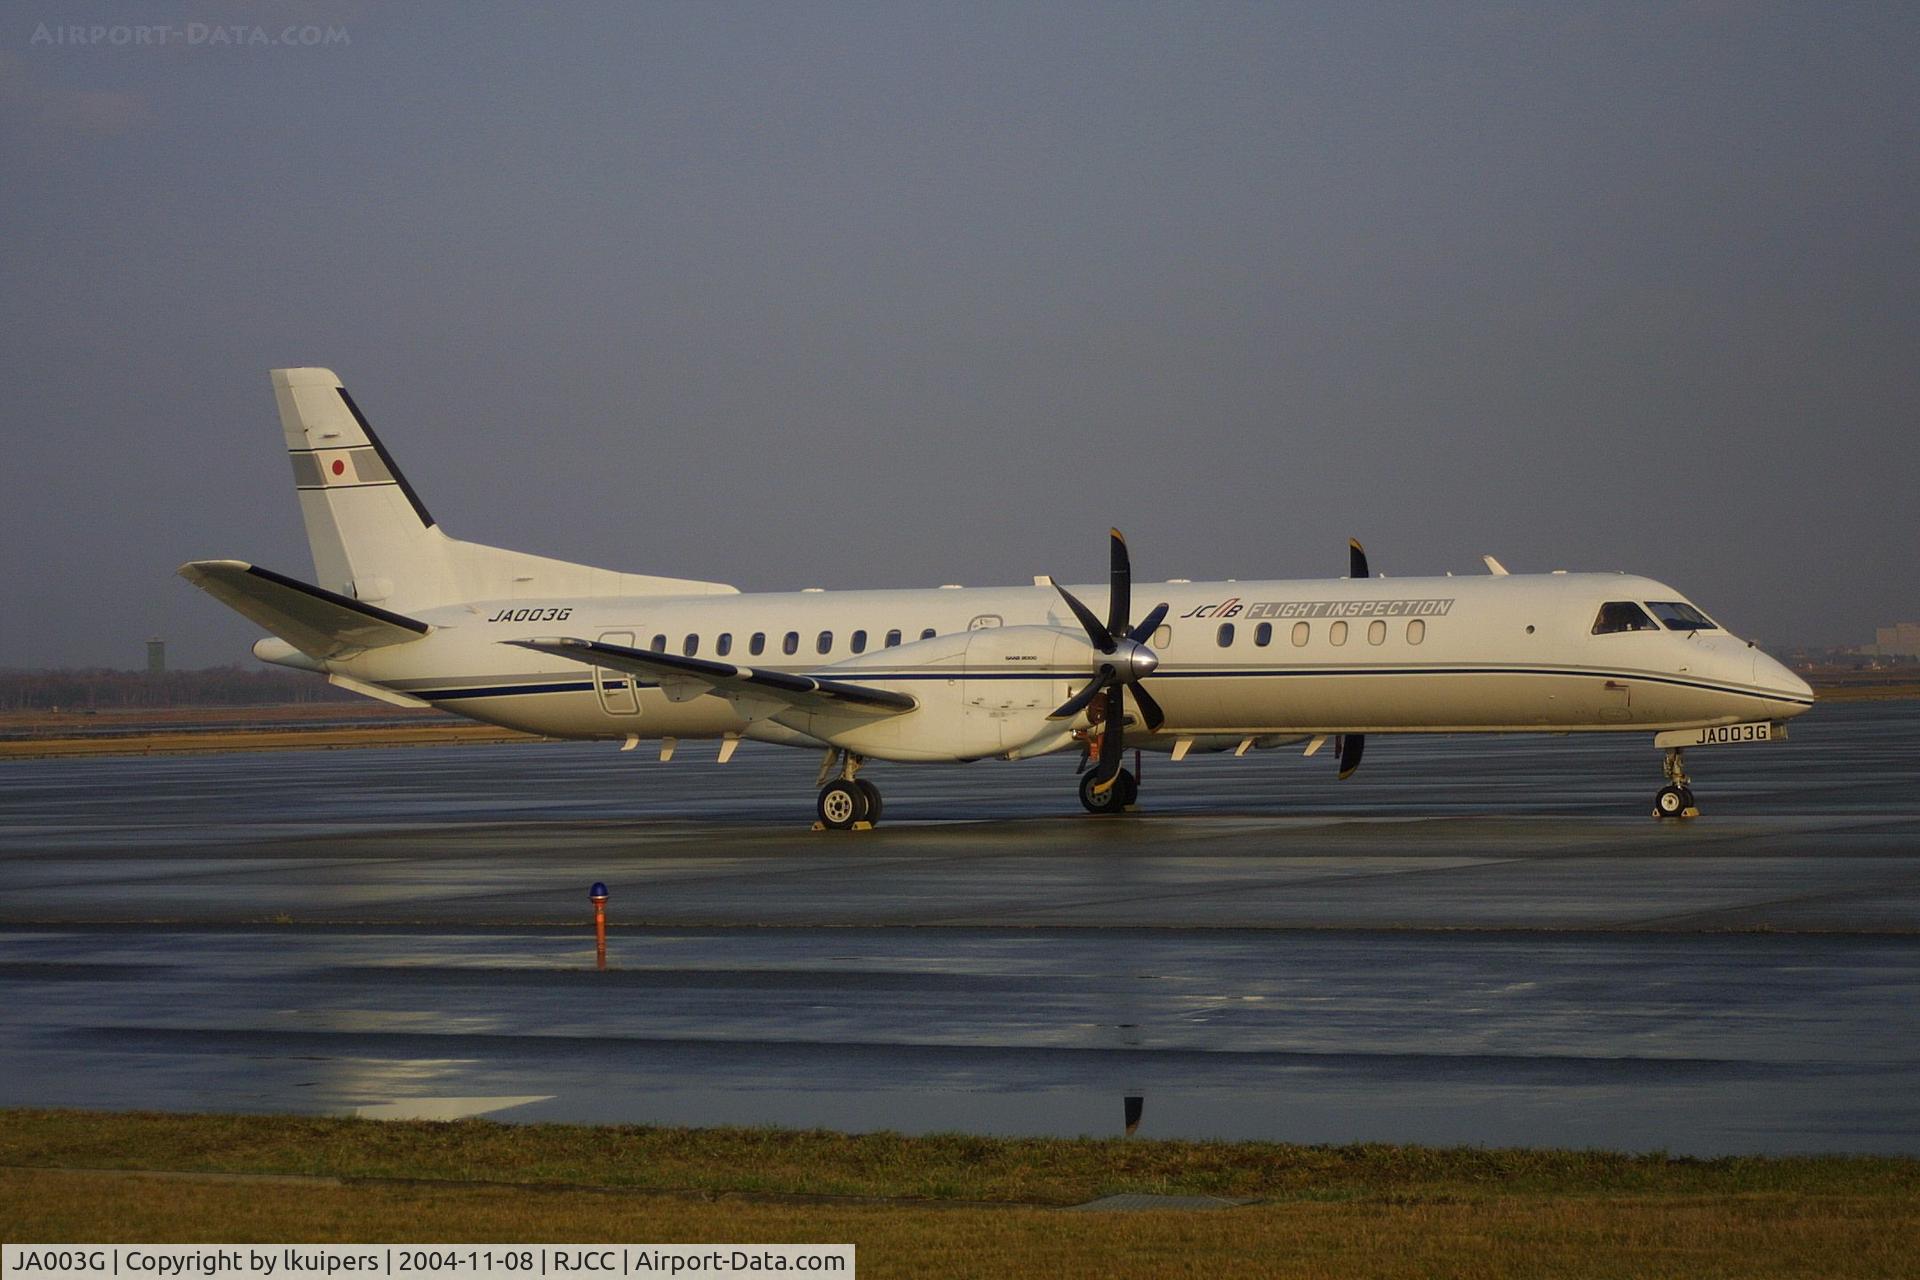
[{"x": 1125, "y": 660}]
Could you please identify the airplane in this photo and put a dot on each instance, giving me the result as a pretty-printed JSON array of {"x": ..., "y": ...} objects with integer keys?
[{"x": 402, "y": 612}]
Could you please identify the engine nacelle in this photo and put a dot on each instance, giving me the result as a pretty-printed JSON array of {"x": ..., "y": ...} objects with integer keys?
[{"x": 982, "y": 694}]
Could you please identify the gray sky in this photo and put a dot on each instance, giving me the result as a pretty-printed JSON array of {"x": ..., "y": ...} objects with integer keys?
[{"x": 808, "y": 295}]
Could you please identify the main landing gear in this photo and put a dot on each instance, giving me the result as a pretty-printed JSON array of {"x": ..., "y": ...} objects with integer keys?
[
  {"x": 848, "y": 803},
  {"x": 1675, "y": 800},
  {"x": 1124, "y": 791}
]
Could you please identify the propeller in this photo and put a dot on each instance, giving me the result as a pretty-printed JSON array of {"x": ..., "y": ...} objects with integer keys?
[
  {"x": 1352, "y": 744},
  {"x": 1124, "y": 661}
]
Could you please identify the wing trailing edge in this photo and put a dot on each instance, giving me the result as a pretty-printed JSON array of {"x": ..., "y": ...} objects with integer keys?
[{"x": 683, "y": 678}]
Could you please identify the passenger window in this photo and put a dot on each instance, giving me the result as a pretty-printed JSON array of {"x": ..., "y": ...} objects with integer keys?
[
  {"x": 1337, "y": 633},
  {"x": 824, "y": 643},
  {"x": 859, "y": 642},
  {"x": 1224, "y": 637},
  {"x": 724, "y": 645},
  {"x": 1163, "y": 637},
  {"x": 691, "y": 645},
  {"x": 1263, "y": 634},
  {"x": 758, "y": 644},
  {"x": 659, "y": 644},
  {"x": 893, "y": 637},
  {"x": 1622, "y": 615},
  {"x": 790, "y": 643},
  {"x": 1681, "y": 616},
  {"x": 928, "y": 634},
  {"x": 1302, "y": 632},
  {"x": 1376, "y": 632},
  {"x": 1416, "y": 631}
]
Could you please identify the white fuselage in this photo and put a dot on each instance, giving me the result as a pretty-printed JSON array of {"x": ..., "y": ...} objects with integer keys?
[{"x": 1376, "y": 655}]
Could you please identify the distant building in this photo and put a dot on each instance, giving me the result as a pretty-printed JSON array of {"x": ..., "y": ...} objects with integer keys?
[
  {"x": 1901, "y": 640},
  {"x": 156, "y": 656}
]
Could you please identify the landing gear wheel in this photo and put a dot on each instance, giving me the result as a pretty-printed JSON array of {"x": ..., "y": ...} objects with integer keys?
[
  {"x": 1113, "y": 799},
  {"x": 1671, "y": 802},
  {"x": 872, "y": 794},
  {"x": 842, "y": 804}
]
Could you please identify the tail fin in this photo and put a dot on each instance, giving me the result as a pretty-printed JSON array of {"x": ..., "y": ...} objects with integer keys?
[
  {"x": 373, "y": 539},
  {"x": 366, "y": 525}
]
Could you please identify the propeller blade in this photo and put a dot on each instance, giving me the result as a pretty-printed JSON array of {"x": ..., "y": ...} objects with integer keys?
[
  {"x": 1119, "y": 585},
  {"x": 1149, "y": 709},
  {"x": 1071, "y": 707},
  {"x": 1112, "y": 741},
  {"x": 1101, "y": 638},
  {"x": 1148, "y": 625},
  {"x": 1356, "y": 559},
  {"x": 1351, "y": 745}
]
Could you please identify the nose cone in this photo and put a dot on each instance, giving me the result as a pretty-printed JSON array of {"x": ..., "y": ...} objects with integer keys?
[{"x": 1788, "y": 694}]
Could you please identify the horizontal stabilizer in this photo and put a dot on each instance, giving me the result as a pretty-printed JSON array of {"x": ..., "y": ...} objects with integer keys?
[
  {"x": 700, "y": 675},
  {"x": 318, "y": 622}
]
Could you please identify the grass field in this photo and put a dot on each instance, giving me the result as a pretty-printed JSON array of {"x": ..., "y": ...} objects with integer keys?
[{"x": 955, "y": 1205}]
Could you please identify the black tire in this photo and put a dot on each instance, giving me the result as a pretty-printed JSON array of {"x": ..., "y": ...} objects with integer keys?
[
  {"x": 842, "y": 804},
  {"x": 1686, "y": 793},
  {"x": 872, "y": 793},
  {"x": 1132, "y": 784},
  {"x": 1670, "y": 802},
  {"x": 1112, "y": 800}
]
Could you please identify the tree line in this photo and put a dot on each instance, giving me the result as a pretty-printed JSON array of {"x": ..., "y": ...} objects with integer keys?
[{"x": 106, "y": 689}]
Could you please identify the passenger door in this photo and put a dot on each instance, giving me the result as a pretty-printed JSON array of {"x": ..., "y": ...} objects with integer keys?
[{"x": 616, "y": 688}]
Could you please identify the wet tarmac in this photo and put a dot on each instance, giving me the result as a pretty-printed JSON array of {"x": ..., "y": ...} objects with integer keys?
[{"x": 1471, "y": 941}]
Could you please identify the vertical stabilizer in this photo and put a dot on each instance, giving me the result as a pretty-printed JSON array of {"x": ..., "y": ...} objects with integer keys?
[
  {"x": 373, "y": 539},
  {"x": 368, "y": 529}
]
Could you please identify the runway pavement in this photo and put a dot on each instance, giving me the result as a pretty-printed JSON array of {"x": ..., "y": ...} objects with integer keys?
[{"x": 1473, "y": 941}]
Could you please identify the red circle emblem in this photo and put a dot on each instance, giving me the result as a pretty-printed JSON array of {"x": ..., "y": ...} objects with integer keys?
[{"x": 339, "y": 467}]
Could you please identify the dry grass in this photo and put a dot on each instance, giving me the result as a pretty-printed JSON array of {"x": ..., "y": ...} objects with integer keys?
[
  {"x": 1498, "y": 1237},
  {"x": 1365, "y": 1210},
  {"x": 1865, "y": 692}
]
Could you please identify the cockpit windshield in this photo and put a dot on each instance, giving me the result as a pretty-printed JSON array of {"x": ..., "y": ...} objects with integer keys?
[
  {"x": 1681, "y": 616},
  {"x": 1622, "y": 615}
]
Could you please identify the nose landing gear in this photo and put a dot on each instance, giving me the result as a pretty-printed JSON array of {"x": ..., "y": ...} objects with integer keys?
[{"x": 1675, "y": 800}]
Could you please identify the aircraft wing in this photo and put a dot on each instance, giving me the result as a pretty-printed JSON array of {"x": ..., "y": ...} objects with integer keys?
[
  {"x": 318, "y": 622},
  {"x": 755, "y": 691}
]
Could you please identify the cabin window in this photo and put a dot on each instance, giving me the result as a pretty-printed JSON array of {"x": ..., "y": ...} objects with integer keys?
[
  {"x": 659, "y": 644},
  {"x": 1263, "y": 634},
  {"x": 724, "y": 645},
  {"x": 1622, "y": 615},
  {"x": 691, "y": 645},
  {"x": 893, "y": 638},
  {"x": 824, "y": 642},
  {"x": 1416, "y": 631},
  {"x": 1337, "y": 633},
  {"x": 859, "y": 642},
  {"x": 928, "y": 634},
  {"x": 1163, "y": 637},
  {"x": 757, "y": 645},
  {"x": 1376, "y": 632},
  {"x": 1224, "y": 636},
  {"x": 1302, "y": 632},
  {"x": 790, "y": 643},
  {"x": 1681, "y": 616}
]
